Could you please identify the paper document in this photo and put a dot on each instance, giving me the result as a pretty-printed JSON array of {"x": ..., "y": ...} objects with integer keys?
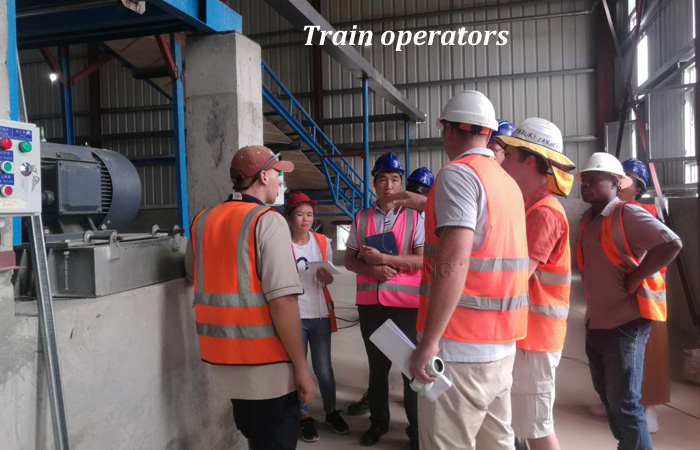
[
  {"x": 315, "y": 265},
  {"x": 396, "y": 346}
]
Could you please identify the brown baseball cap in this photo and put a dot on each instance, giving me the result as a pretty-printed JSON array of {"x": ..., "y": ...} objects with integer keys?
[{"x": 252, "y": 159}]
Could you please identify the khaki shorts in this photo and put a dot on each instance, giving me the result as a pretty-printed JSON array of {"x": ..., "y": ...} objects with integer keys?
[
  {"x": 533, "y": 393},
  {"x": 474, "y": 414}
]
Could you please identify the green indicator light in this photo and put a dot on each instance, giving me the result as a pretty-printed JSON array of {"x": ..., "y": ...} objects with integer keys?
[
  {"x": 25, "y": 147},
  {"x": 7, "y": 167}
]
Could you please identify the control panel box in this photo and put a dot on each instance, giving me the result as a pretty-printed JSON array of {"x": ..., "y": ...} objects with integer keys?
[{"x": 20, "y": 169}]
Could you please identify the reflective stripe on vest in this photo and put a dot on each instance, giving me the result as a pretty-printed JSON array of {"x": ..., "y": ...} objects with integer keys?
[
  {"x": 322, "y": 244},
  {"x": 233, "y": 318},
  {"x": 485, "y": 264},
  {"x": 494, "y": 301},
  {"x": 549, "y": 289},
  {"x": 403, "y": 289},
  {"x": 651, "y": 294}
]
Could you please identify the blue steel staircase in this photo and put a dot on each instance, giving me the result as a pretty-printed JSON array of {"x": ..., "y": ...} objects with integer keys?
[{"x": 345, "y": 184}]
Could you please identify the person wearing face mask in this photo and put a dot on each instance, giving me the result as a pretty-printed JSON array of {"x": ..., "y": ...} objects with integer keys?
[
  {"x": 620, "y": 250},
  {"x": 387, "y": 288},
  {"x": 316, "y": 310},
  {"x": 246, "y": 287}
]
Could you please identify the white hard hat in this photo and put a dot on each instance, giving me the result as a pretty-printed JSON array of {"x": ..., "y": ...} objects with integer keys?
[
  {"x": 605, "y": 162},
  {"x": 542, "y": 137},
  {"x": 471, "y": 107}
]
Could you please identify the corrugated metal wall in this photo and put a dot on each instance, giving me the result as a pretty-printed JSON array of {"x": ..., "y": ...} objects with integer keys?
[
  {"x": 670, "y": 32},
  {"x": 119, "y": 90},
  {"x": 535, "y": 46}
]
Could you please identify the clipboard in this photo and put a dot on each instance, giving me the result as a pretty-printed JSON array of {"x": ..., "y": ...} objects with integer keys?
[{"x": 384, "y": 243}]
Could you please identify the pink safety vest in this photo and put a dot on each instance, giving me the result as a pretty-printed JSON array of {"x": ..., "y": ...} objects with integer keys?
[{"x": 401, "y": 291}]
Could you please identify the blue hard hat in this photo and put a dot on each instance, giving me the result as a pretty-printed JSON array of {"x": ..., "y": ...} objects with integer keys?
[
  {"x": 423, "y": 176},
  {"x": 388, "y": 162},
  {"x": 638, "y": 168},
  {"x": 505, "y": 128}
]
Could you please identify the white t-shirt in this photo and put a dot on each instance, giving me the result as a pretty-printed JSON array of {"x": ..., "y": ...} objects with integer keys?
[{"x": 312, "y": 304}]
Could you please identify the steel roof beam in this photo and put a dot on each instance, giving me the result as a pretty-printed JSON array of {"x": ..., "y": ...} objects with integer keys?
[{"x": 300, "y": 13}]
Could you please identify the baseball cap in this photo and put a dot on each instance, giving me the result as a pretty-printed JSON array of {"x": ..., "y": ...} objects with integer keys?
[
  {"x": 251, "y": 159},
  {"x": 295, "y": 199}
]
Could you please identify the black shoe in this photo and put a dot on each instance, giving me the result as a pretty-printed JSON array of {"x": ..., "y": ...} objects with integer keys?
[
  {"x": 307, "y": 430},
  {"x": 359, "y": 408},
  {"x": 337, "y": 422},
  {"x": 372, "y": 435}
]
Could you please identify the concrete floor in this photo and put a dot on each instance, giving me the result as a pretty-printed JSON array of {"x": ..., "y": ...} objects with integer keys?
[{"x": 576, "y": 428}]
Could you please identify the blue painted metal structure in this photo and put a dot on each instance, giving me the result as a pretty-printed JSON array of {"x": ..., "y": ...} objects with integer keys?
[
  {"x": 112, "y": 21},
  {"x": 66, "y": 96},
  {"x": 179, "y": 141},
  {"x": 365, "y": 138},
  {"x": 56, "y": 23},
  {"x": 133, "y": 69},
  {"x": 347, "y": 187},
  {"x": 13, "y": 81}
]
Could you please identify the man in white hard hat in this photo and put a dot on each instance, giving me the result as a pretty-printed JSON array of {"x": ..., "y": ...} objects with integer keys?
[
  {"x": 620, "y": 250},
  {"x": 534, "y": 158},
  {"x": 473, "y": 301}
]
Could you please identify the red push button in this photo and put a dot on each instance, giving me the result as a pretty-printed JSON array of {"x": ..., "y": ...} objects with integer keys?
[
  {"x": 5, "y": 144},
  {"x": 6, "y": 191}
]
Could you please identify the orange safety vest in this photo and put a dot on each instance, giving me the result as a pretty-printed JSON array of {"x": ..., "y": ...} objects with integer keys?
[
  {"x": 234, "y": 325},
  {"x": 651, "y": 295},
  {"x": 550, "y": 287},
  {"x": 322, "y": 243},
  {"x": 401, "y": 290},
  {"x": 493, "y": 306},
  {"x": 648, "y": 207}
]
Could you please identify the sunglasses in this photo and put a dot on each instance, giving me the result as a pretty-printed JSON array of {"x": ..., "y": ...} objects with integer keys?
[{"x": 272, "y": 158}]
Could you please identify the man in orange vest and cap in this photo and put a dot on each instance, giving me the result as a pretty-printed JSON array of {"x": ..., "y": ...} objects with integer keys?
[
  {"x": 534, "y": 158},
  {"x": 620, "y": 250},
  {"x": 246, "y": 286},
  {"x": 473, "y": 302}
]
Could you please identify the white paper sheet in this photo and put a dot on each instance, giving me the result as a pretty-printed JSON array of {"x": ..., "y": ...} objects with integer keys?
[
  {"x": 315, "y": 265},
  {"x": 396, "y": 346}
]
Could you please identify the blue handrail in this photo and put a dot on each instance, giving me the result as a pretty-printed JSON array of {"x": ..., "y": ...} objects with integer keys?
[{"x": 349, "y": 196}]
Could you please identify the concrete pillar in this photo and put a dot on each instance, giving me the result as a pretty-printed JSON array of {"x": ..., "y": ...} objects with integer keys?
[
  {"x": 223, "y": 92},
  {"x": 7, "y": 298}
]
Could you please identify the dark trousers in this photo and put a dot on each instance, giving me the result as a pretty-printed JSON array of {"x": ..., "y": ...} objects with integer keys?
[
  {"x": 616, "y": 359},
  {"x": 271, "y": 424},
  {"x": 371, "y": 318}
]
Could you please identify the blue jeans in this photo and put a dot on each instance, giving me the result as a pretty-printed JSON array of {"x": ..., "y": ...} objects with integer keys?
[
  {"x": 616, "y": 359},
  {"x": 316, "y": 333}
]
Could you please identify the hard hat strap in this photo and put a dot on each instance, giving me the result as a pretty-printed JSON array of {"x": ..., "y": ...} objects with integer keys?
[{"x": 476, "y": 129}]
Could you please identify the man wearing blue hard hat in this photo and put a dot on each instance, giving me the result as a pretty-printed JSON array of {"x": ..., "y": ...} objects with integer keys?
[
  {"x": 505, "y": 128},
  {"x": 418, "y": 184},
  {"x": 388, "y": 284},
  {"x": 420, "y": 181}
]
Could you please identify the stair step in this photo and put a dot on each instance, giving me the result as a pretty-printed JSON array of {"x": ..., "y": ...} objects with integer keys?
[{"x": 271, "y": 113}]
